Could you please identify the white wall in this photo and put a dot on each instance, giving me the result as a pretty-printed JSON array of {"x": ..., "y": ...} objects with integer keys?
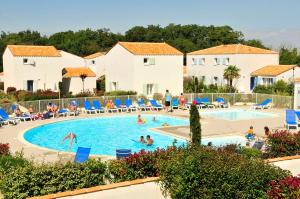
[
  {"x": 75, "y": 86},
  {"x": 288, "y": 75},
  {"x": 246, "y": 62},
  {"x": 46, "y": 72},
  {"x": 130, "y": 73},
  {"x": 98, "y": 67},
  {"x": 71, "y": 60}
]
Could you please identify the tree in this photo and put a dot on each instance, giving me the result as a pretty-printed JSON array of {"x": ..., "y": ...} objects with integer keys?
[
  {"x": 83, "y": 76},
  {"x": 195, "y": 126},
  {"x": 230, "y": 73},
  {"x": 289, "y": 56}
]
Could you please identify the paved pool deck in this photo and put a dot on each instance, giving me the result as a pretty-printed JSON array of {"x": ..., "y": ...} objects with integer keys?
[{"x": 210, "y": 127}]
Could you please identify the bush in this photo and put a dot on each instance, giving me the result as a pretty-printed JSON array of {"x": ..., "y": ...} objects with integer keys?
[
  {"x": 11, "y": 90},
  {"x": 279, "y": 88},
  {"x": 206, "y": 173},
  {"x": 116, "y": 93},
  {"x": 4, "y": 149},
  {"x": 250, "y": 152},
  {"x": 283, "y": 143},
  {"x": 288, "y": 187},
  {"x": 157, "y": 96},
  {"x": 31, "y": 180},
  {"x": 138, "y": 165},
  {"x": 84, "y": 94}
]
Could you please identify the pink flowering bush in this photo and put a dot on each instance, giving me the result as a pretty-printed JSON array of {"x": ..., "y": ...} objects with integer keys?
[
  {"x": 288, "y": 188},
  {"x": 283, "y": 143}
]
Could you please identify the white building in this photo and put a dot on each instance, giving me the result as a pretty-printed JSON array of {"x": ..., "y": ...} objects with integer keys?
[
  {"x": 209, "y": 64},
  {"x": 146, "y": 68},
  {"x": 268, "y": 75},
  {"x": 96, "y": 62},
  {"x": 31, "y": 68}
]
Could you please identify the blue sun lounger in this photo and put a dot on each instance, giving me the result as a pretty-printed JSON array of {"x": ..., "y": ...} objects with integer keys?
[
  {"x": 5, "y": 117},
  {"x": 155, "y": 105},
  {"x": 221, "y": 102},
  {"x": 129, "y": 105},
  {"x": 142, "y": 106},
  {"x": 82, "y": 154},
  {"x": 123, "y": 153},
  {"x": 119, "y": 105},
  {"x": 175, "y": 103},
  {"x": 23, "y": 117},
  {"x": 207, "y": 103},
  {"x": 98, "y": 106},
  {"x": 88, "y": 108},
  {"x": 290, "y": 119},
  {"x": 264, "y": 104}
]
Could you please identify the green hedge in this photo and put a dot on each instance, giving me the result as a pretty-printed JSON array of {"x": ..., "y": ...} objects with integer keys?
[
  {"x": 206, "y": 173},
  {"x": 31, "y": 180},
  {"x": 120, "y": 92}
]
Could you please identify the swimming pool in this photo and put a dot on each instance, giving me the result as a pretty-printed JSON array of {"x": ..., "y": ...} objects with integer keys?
[
  {"x": 234, "y": 115},
  {"x": 106, "y": 134}
]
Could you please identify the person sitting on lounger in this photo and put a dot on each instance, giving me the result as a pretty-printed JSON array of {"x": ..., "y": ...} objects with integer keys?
[
  {"x": 73, "y": 107},
  {"x": 149, "y": 140},
  {"x": 142, "y": 139},
  {"x": 250, "y": 134},
  {"x": 17, "y": 111},
  {"x": 70, "y": 136}
]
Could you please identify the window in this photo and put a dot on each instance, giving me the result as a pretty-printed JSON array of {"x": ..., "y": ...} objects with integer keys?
[
  {"x": 217, "y": 61},
  {"x": 201, "y": 61},
  {"x": 215, "y": 80},
  {"x": 146, "y": 61},
  {"x": 202, "y": 78},
  {"x": 194, "y": 61},
  {"x": 25, "y": 61},
  {"x": 93, "y": 62},
  {"x": 30, "y": 85},
  {"x": 267, "y": 81},
  {"x": 150, "y": 89},
  {"x": 226, "y": 61},
  {"x": 114, "y": 86}
]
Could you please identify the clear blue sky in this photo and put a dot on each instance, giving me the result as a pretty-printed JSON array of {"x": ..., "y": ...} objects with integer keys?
[{"x": 276, "y": 22}]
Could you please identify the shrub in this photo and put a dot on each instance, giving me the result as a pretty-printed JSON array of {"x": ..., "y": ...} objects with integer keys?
[
  {"x": 288, "y": 187},
  {"x": 206, "y": 173},
  {"x": 283, "y": 143},
  {"x": 138, "y": 165},
  {"x": 250, "y": 152},
  {"x": 195, "y": 126},
  {"x": 4, "y": 149},
  {"x": 11, "y": 90},
  {"x": 120, "y": 92},
  {"x": 157, "y": 96},
  {"x": 84, "y": 94},
  {"x": 31, "y": 180}
]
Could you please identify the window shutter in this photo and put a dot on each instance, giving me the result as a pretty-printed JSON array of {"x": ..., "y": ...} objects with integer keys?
[
  {"x": 152, "y": 61},
  {"x": 25, "y": 85},
  {"x": 155, "y": 88},
  {"x": 145, "y": 89}
]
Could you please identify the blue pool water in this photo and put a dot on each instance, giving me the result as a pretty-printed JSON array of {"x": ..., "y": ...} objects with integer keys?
[
  {"x": 106, "y": 134},
  {"x": 234, "y": 115}
]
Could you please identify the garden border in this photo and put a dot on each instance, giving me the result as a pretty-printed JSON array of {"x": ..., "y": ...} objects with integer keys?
[{"x": 97, "y": 188}]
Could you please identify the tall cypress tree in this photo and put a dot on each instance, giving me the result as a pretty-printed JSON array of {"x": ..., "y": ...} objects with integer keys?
[{"x": 195, "y": 126}]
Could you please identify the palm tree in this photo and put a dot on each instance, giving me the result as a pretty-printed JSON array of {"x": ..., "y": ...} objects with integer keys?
[
  {"x": 230, "y": 73},
  {"x": 83, "y": 76}
]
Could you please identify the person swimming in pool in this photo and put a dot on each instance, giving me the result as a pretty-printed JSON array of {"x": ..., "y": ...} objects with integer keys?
[
  {"x": 149, "y": 140},
  {"x": 140, "y": 120},
  {"x": 142, "y": 139},
  {"x": 70, "y": 136}
]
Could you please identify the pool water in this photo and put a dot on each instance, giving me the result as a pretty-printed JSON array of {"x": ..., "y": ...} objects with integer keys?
[
  {"x": 106, "y": 134},
  {"x": 235, "y": 115}
]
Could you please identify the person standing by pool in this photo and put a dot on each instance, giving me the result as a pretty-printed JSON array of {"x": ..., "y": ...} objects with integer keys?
[
  {"x": 70, "y": 136},
  {"x": 149, "y": 140},
  {"x": 250, "y": 134},
  {"x": 182, "y": 101},
  {"x": 168, "y": 97}
]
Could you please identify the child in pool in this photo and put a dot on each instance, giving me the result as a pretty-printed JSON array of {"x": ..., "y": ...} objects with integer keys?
[{"x": 140, "y": 120}]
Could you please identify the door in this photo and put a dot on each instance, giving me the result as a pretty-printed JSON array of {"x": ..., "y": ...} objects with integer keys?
[
  {"x": 252, "y": 83},
  {"x": 30, "y": 85}
]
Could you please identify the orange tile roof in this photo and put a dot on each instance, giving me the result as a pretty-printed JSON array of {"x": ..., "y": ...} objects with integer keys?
[
  {"x": 232, "y": 49},
  {"x": 272, "y": 70},
  {"x": 92, "y": 56},
  {"x": 33, "y": 51},
  {"x": 76, "y": 72},
  {"x": 147, "y": 48}
]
